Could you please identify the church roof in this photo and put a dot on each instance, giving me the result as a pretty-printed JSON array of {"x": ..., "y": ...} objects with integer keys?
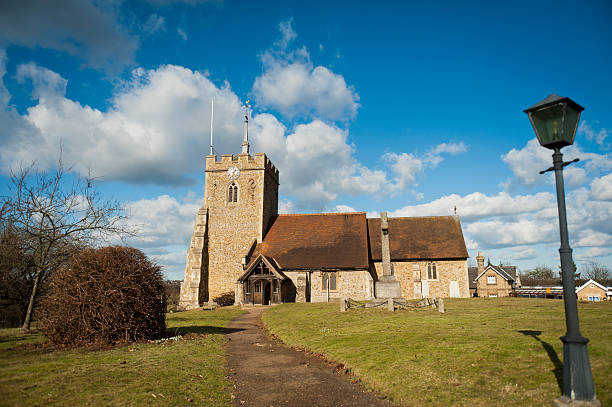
[
  {"x": 429, "y": 237},
  {"x": 318, "y": 241}
]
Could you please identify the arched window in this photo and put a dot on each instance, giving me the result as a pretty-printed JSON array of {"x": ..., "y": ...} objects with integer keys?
[
  {"x": 432, "y": 273},
  {"x": 232, "y": 192}
]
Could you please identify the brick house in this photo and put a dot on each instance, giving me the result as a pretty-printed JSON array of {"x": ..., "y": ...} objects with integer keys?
[
  {"x": 241, "y": 244},
  {"x": 495, "y": 281},
  {"x": 591, "y": 291}
]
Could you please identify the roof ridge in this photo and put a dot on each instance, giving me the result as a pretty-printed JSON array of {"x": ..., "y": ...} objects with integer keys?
[
  {"x": 418, "y": 217},
  {"x": 319, "y": 214}
]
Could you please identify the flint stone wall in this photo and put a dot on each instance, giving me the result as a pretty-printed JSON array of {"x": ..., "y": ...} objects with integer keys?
[{"x": 411, "y": 273}]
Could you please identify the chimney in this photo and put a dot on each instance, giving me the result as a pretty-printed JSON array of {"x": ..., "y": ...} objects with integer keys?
[{"x": 480, "y": 262}]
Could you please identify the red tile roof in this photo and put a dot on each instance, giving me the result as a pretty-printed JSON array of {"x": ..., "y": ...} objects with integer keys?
[
  {"x": 350, "y": 241},
  {"x": 318, "y": 241},
  {"x": 430, "y": 237}
]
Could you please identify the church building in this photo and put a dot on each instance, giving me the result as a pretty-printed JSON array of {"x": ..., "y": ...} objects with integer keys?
[{"x": 241, "y": 245}]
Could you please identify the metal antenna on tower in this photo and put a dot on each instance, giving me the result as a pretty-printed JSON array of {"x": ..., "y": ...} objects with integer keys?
[{"x": 212, "y": 117}]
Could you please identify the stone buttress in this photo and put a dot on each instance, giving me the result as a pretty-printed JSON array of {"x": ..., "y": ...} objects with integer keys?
[{"x": 194, "y": 289}]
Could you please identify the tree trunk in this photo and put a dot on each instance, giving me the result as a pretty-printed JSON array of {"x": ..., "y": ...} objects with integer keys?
[{"x": 28, "y": 316}]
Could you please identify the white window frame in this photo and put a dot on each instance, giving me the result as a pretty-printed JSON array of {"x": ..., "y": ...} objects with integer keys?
[
  {"x": 491, "y": 280},
  {"x": 492, "y": 295}
]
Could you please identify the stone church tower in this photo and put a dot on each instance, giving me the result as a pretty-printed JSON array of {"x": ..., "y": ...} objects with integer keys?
[{"x": 240, "y": 201}]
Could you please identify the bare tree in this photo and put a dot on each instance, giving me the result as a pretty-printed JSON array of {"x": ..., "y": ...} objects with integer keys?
[
  {"x": 57, "y": 213},
  {"x": 596, "y": 271}
]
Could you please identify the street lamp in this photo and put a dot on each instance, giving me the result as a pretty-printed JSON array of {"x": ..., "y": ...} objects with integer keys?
[{"x": 555, "y": 120}]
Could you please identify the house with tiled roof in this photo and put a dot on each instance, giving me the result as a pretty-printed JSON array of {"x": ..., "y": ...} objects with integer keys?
[
  {"x": 242, "y": 245},
  {"x": 495, "y": 281}
]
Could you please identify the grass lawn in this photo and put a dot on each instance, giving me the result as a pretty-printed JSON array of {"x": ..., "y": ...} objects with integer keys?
[
  {"x": 164, "y": 374},
  {"x": 482, "y": 352}
]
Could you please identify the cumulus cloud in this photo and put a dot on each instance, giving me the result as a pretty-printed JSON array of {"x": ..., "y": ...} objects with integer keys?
[
  {"x": 292, "y": 85},
  {"x": 79, "y": 27},
  {"x": 601, "y": 188},
  {"x": 476, "y": 206},
  {"x": 315, "y": 161},
  {"x": 599, "y": 137},
  {"x": 522, "y": 227},
  {"x": 165, "y": 225},
  {"x": 155, "y": 131},
  {"x": 527, "y": 162}
]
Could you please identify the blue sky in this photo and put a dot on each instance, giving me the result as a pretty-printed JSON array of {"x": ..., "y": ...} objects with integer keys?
[{"x": 409, "y": 107}]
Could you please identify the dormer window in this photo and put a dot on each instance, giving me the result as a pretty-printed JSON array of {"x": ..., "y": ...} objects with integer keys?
[{"x": 232, "y": 192}]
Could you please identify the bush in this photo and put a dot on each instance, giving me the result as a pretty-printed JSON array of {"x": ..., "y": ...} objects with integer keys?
[
  {"x": 225, "y": 299},
  {"x": 106, "y": 295}
]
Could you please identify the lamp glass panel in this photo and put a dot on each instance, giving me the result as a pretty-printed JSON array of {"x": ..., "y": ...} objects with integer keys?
[
  {"x": 547, "y": 124},
  {"x": 571, "y": 123}
]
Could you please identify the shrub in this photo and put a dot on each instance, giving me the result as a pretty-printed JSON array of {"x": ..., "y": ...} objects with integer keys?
[
  {"x": 106, "y": 295},
  {"x": 225, "y": 299}
]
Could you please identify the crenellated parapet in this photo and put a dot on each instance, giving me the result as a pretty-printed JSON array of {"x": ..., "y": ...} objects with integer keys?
[{"x": 245, "y": 162}]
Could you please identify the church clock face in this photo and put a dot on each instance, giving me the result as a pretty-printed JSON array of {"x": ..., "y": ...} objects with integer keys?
[{"x": 233, "y": 173}]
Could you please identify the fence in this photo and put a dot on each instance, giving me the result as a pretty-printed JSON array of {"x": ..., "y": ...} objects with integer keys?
[{"x": 392, "y": 304}]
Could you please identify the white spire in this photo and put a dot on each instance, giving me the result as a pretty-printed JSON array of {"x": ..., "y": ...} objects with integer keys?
[
  {"x": 212, "y": 117},
  {"x": 245, "y": 142}
]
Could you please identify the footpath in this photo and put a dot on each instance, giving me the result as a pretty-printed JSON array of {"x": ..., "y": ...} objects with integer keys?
[{"x": 267, "y": 374}]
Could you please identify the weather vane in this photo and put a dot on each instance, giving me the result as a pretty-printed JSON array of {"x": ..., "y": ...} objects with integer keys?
[{"x": 247, "y": 106}]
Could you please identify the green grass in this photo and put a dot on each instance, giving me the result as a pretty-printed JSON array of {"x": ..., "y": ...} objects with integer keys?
[
  {"x": 164, "y": 374},
  {"x": 474, "y": 355}
]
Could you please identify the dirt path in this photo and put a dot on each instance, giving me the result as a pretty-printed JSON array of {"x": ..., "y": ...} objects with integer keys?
[{"x": 267, "y": 374}]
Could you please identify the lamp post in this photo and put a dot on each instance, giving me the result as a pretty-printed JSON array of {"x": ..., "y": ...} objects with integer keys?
[{"x": 555, "y": 120}]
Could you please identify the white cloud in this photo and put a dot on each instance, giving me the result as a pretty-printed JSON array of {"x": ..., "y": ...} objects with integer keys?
[
  {"x": 165, "y": 226},
  {"x": 586, "y": 130},
  {"x": 155, "y": 131},
  {"x": 14, "y": 129},
  {"x": 285, "y": 207},
  {"x": 162, "y": 221},
  {"x": 524, "y": 227},
  {"x": 287, "y": 34},
  {"x": 527, "y": 163},
  {"x": 497, "y": 233},
  {"x": 406, "y": 167},
  {"x": 182, "y": 33},
  {"x": 317, "y": 163},
  {"x": 46, "y": 84},
  {"x": 601, "y": 188},
  {"x": 154, "y": 24},
  {"x": 83, "y": 28},
  {"x": 343, "y": 208},
  {"x": 477, "y": 205},
  {"x": 291, "y": 84}
]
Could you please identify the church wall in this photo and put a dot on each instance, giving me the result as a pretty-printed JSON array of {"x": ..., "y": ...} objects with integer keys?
[
  {"x": 233, "y": 226},
  {"x": 501, "y": 288},
  {"x": 410, "y": 274},
  {"x": 356, "y": 284}
]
